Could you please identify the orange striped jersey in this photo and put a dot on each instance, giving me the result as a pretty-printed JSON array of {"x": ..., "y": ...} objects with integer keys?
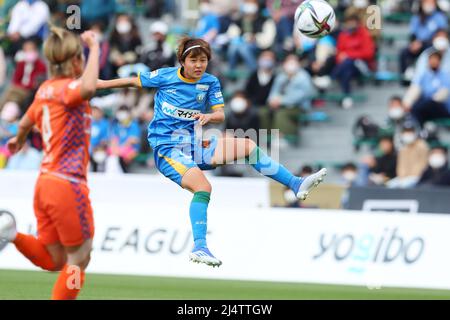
[{"x": 64, "y": 120}]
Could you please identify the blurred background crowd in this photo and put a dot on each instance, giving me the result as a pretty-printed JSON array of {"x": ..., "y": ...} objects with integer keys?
[{"x": 371, "y": 100}]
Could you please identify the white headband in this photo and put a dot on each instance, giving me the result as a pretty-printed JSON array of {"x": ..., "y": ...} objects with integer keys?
[{"x": 190, "y": 48}]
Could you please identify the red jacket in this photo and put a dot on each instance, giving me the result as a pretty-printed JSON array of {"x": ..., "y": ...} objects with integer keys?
[
  {"x": 357, "y": 45},
  {"x": 29, "y": 78}
]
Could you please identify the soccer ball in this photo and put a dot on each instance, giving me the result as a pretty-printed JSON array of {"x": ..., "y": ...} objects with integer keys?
[{"x": 315, "y": 18}]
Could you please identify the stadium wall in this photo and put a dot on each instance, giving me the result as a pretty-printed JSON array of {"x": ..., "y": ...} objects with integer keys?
[{"x": 143, "y": 228}]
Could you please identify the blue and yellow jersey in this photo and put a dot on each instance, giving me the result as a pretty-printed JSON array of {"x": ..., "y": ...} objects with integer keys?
[{"x": 177, "y": 101}]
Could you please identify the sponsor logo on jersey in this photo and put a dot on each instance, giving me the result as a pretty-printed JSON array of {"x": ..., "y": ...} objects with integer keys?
[
  {"x": 218, "y": 95},
  {"x": 179, "y": 113},
  {"x": 202, "y": 87}
]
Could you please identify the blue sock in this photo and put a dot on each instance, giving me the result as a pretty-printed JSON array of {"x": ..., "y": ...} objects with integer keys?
[
  {"x": 265, "y": 165},
  {"x": 198, "y": 215}
]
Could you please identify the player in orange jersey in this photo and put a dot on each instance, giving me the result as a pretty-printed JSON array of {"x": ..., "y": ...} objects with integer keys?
[{"x": 62, "y": 207}]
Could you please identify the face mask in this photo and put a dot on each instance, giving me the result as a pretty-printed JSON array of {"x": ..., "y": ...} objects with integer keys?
[
  {"x": 122, "y": 116},
  {"x": 428, "y": 8},
  {"x": 291, "y": 67},
  {"x": 238, "y": 105},
  {"x": 441, "y": 43},
  {"x": 30, "y": 56},
  {"x": 396, "y": 113},
  {"x": 361, "y": 3},
  {"x": 289, "y": 196},
  {"x": 408, "y": 138},
  {"x": 266, "y": 64},
  {"x": 249, "y": 8},
  {"x": 123, "y": 27},
  {"x": 349, "y": 176},
  {"x": 99, "y": 156},
  {"x": 204, "y": 8},
  {"x": 437, "y": 161}
]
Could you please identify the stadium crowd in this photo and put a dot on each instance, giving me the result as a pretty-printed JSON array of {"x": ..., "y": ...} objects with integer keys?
[{"x": 272, "y": 76}]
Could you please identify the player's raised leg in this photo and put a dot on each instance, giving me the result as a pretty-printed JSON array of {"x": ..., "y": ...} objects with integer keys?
[
  {"x": 48, "y": 257},
  {"x": 231, "y": 149},
  {"x": 195, "y": 181}
]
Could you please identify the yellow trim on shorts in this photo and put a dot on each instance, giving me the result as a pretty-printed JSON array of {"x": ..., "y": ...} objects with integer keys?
[{"x": 177, "y": 166}]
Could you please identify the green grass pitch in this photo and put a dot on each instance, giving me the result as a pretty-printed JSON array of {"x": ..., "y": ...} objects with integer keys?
[{"x": 38, "y": 285}]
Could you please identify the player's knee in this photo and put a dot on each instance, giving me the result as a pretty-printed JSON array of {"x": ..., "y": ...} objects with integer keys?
[{"x": 204, "y": 186}]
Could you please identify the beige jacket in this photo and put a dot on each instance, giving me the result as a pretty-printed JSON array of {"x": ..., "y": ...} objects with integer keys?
[{"x": 412, "y": 159}]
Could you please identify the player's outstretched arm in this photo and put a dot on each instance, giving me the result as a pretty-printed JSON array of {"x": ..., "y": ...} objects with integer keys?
[
  {"x": 218, "y": 116},
  {"x": 90, "y": 74},
  {"x": 16, "y": 143},
  {"x": 118, "y": 83}
]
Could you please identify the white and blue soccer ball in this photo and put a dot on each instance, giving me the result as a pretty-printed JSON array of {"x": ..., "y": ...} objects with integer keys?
[{"x": 315, "y": 18}]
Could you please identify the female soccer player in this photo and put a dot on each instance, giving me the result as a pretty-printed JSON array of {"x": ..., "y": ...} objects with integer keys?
[
  {"x": 188, "y": 96},
  {"x": 61, "y": 201}
]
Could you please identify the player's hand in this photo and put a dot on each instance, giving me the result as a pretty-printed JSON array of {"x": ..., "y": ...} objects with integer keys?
[
  {"x": 203, "y": 119},
  {"x": 89, "y": 38},
  {"x": 14, "y": 145}
]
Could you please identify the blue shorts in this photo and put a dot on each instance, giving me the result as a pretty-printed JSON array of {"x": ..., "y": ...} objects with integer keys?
[{"x": 174, "y": 160}]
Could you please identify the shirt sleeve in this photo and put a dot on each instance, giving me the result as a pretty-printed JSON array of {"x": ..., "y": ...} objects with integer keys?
[
  {"x": 150, "y": 79},
  {"x": 71, "y": 94},
  {"x": 215, "y": 96},
  {"x": 32, "y": 112}
]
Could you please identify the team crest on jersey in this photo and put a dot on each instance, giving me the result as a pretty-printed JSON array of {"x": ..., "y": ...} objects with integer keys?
[
  {"x": 201, "y": 97},
  {"x": 202, "y": 87}
]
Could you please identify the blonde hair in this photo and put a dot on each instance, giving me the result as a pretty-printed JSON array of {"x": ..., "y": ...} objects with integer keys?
[{"x": 59, "y": 49}]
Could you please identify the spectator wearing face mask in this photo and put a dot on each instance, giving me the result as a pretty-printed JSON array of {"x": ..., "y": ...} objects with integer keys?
[
  {"x": 208, "y": 25},
  {"x": 412, "y": 158},
  {"x": 99, "y": 139},
  {"x": 291, "y": 94},
  {"x": 441, "y": 44},
  {"x": 28, "y": 19},
  {"x": 125, "y": 41},
  {"x": 125, "y": 135},
  {"x": 29, "y": 73},
  {"x": 260, "y": 82},
  {"x": 350, "y": 175},
  {"x": 248, "y": 34},
  {"x": 437, "y": 174},
  {"x": 243, "y": 116},
  {"x": 429, "y": 99},
  {"x": 359, "y": 8},
  {"x": 423, "y": 26},
  {"x": 355, "y": 52},
  {"x": 158, "y": 53}
]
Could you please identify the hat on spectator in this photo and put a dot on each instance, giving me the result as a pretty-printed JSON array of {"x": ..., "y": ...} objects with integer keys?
[
  {"x": 409, "y": 125},
  {"x": 159, "y": 27}
]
